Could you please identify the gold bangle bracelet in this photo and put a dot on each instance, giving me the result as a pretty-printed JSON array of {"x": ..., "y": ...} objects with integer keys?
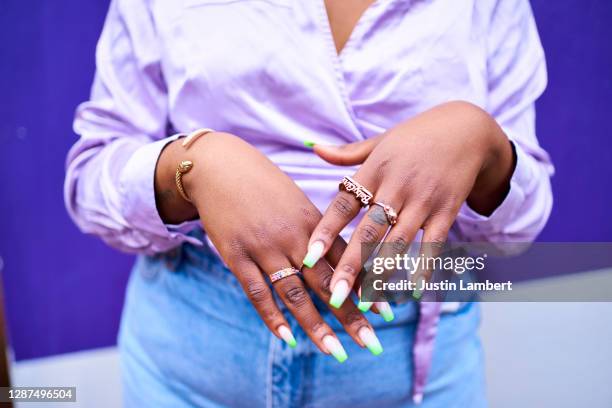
[{"x": 185, "y": 166}]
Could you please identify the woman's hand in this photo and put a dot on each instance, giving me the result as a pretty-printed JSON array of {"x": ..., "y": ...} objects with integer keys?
[
  {"x": 425, "y": 169},
  {"x": 259, "y": 221}
]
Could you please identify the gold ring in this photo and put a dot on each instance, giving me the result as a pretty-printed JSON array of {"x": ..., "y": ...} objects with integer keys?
[
  {"x": 362, "y": 194},
  {"x": 390, "y": 212},
  {"x": 283, "y": 273}
]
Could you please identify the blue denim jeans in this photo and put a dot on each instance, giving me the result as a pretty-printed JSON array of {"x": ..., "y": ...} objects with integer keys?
[{"x": 190, "y": 338}]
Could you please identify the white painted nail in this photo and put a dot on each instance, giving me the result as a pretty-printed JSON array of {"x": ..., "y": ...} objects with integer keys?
[
  {"x": 287, "y": 336},
  {"x": 315, "y": 251},
  {"x": 335, "y": 348},
  {"x": 340, "y": 293},
  {"x": 369, "y": 338}
]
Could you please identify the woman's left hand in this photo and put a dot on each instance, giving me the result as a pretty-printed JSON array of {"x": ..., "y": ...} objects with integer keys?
[{"x": 424, "y": 169}]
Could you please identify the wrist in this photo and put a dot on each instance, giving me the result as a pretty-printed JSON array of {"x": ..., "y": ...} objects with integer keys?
[
  {"x": 171, "y": 206},
  {"x": 493, "y": 181}
]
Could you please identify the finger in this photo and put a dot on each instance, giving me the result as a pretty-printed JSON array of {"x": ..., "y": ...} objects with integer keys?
[
  {"x": 343, "y": 208},
  {"x": 292, "y": 292},
  {"x": 367, "y": 235},
  {"x": 333, "y": 256},
  {"x": 348, "y": 154},
  {"x": 434, "y": 238},
  {"x": 401, "y": 235},
  {"x": 353, "y": 321},
  {"x": 257, "y": 290}
]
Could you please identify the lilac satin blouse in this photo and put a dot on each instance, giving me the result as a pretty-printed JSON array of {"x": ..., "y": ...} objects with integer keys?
[{"x": 268, "y": 71}]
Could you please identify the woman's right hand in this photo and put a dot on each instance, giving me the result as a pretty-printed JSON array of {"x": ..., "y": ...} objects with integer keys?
[{"x": 260, "y": 222}]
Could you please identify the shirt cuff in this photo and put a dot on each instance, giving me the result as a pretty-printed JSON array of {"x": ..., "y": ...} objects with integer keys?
[
  {"x": 477, "y": 226},
  {"x": 139, "y": 210}
]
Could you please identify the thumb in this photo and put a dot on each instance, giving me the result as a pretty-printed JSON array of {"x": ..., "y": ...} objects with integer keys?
[{"x": 345, "y": 155}]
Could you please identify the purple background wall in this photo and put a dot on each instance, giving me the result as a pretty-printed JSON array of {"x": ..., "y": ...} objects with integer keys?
[{"x": 64, "y": 290}]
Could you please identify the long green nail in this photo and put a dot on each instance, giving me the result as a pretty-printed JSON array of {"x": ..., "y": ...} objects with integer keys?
[
  {"x": 309, "y": 144},
  {"x": 339, "y": 294},
  {"x": 335, "y": 348},
  {"x": 314, "y": 253},
  {"x": 385, "y": 311},
  {"x": 370, "y": 340},
  {"x": 287, "y": 336}
]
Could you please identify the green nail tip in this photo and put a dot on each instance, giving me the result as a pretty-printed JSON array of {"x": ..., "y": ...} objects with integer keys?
[
  {"x": 309, "y": 144},
  {"x": 308, "y": 263},
  {"x": 336, "y": 303},
  {"x": 417, "y": 294},
  {"x": 341, "y": 357},
  {"x": 376, "y": 350},
  {"x": 364, "y": 306},
  {"x": 388, "y": 316},
  {"x": 292, "y": 343}
]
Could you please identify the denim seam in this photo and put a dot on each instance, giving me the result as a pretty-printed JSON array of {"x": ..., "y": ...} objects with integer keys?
[{"x": 269, "y": 396}]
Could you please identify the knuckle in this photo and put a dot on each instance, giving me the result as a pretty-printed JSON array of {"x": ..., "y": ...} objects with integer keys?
[
  {"x": 399, "y": 243},
  {"x": 349, "y": 270},
  {"x": 368, "y": 234},
  {"x": 282, "y": 227},
  {"x": 260, "y": 237},
  {"x": 343, "y": 206},
  {"x": 256, "y": 291},
  {"x": 437, "y": 241},
  {"x": 382, "y": 168},
  {"x": 266, "y": 234},
  {"x": 296, "y": 296},
  {"x": 326, "y": 233},
  {"x": 310, "y": 216},
  {"x": 236, "y": 251},
  {"x": 354, "y": 317},
  {"x": 324, "y": 283},
  {"x": 318, "y": 326}
]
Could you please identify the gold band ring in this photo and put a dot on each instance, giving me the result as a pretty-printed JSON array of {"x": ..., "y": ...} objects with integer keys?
[{"x": 283, "y": 273}]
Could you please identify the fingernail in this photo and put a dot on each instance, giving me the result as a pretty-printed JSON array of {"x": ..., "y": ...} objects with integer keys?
[
  {"x": 314, "y": 253},
  {"x": 370, "y": 340},
  {"x": 385, "y": 311},
  {"x": 335, "y": 348},
  {"x": 287, "y": 336},
  {"x": 309, "y": 144},
  {"x": 339, "y": 294},
  {"x": 364, "y": 306},
  {"x": 417, "y": 292}
]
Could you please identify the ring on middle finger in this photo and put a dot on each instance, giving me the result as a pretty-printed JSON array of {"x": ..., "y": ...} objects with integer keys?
[
  {"x": 283, "y": 273},
  {"x": 390, "y": 212},
  {"x": 362, "y": 194}
]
